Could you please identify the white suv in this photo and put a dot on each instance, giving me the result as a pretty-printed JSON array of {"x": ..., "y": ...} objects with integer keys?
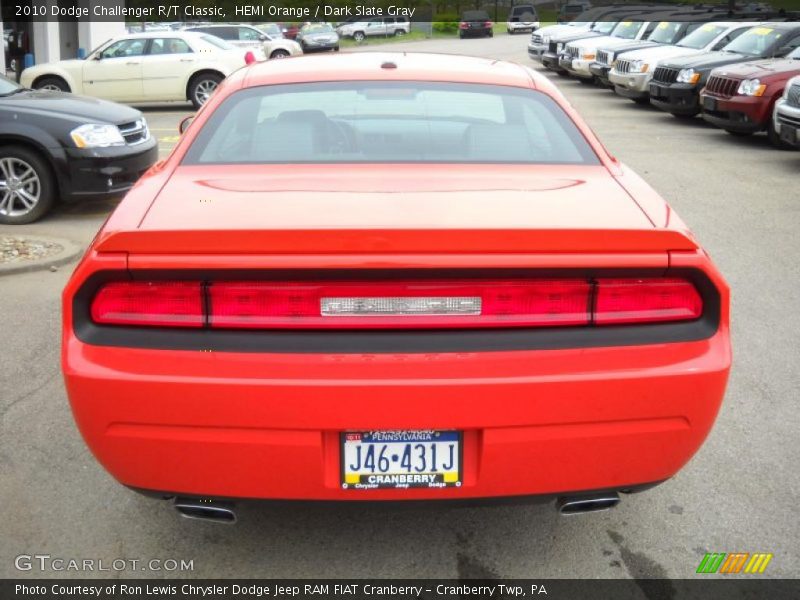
[
  {"x": 522, "y": 18},
  {"x": 377, "y": 26},
  {"x": 787, "y": 114}
]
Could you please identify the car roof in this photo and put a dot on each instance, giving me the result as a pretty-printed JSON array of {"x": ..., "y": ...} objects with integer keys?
[
  {"x": 372, "y": 66},
  {"x": 155, "y": 34}
]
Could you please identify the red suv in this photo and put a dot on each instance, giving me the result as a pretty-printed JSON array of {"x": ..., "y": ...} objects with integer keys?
[{"x": 740, "y": 98}]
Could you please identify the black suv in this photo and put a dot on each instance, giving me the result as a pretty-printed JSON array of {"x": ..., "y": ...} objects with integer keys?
[{"x": 676, "y": 84}]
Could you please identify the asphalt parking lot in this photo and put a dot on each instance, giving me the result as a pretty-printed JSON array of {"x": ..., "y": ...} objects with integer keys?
[{"x": 739, "y": 493}]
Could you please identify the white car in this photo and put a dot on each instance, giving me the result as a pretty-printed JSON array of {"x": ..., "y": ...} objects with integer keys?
[
  {"x": 787, "y": 113},
  {"x": 522, "y": 18},
  {"x": 377, "y": 26},
  {"x": 632, "y": 72},
  {"x": 265, "y": 42},
  {"x": 144, "y": 67},
  {"x": 540, "y": 39},
  {"x": 580, "y": 54}
]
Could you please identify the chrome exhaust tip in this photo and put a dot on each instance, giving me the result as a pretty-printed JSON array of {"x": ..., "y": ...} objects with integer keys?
[
  {"x": 206, "y": 510},
  {"x": 574, "y": 505}
]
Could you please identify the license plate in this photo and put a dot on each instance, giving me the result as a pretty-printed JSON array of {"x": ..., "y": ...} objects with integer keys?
[
  {"x": 400, "y": 459},
  {"x": 788, "y": 134},
  {"x": 709, "y": 103}
]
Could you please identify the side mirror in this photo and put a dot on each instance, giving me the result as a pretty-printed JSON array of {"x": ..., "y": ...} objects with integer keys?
[
  {"x": 782, "y": 52},
  {"x": 184, "y": 124}
]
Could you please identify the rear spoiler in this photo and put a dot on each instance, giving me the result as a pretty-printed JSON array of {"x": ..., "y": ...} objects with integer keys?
[{"x": 393, "y": 241}]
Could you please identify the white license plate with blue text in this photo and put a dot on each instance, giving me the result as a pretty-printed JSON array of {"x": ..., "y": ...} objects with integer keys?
[{"x": 400, "y": 459}]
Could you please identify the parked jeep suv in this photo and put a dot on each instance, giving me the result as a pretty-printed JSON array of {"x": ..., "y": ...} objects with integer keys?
[
  {"x": 787, "y": 114},
  {"x": 676, "y": 84},
  {"x": 741, "y": 98}
]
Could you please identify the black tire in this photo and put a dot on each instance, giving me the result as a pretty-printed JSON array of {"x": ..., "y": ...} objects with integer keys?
[
  {"x": 510, "y": 31},
  {"x": 400, "y": 32},
  {"x": 684, "y": 117},
  {"x": 279, "y": 53},
  {"x": 51, "y": 83},
  {"x": 359, "y": 36},
  {"x": 562, "y": 73},
  {"x": 45, "y": 187},
  {"x": 460, "y": 35},
  {"x": 775, "y": 139},
  {"x": 199, "y": 85},
  {"x": 491, "y": 33},
  {"x": 741, "y": 134},
  {"x": 587, "y": 81},
  {"x": 336, "y": 49},
  {"x": 645, "y": 100}
]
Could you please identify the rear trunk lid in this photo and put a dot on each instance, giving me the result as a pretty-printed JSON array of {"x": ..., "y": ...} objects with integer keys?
[{"x": 403, "y": 209}]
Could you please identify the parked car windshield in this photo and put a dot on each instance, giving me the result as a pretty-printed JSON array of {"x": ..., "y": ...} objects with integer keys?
[
  {"x": 702, "y": 37},
  {"x": 665, "y": 32},
  {"x": 389, "y": 122},
  {"x": 8, "y": 87},
  {"x": 218, "y": 42},
  {"x": 627, "y": 30},
  {"x": 755, "y": 41},
  {"x": 605, "y": 27}
]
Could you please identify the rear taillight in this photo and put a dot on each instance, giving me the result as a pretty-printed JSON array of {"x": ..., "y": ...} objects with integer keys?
[
  {"x": 401, "y": 304},
  {"x": 398, "y": 304},
  {"x": 463, "y": 25},
  {"x": 645, "y": 300},
  {"x": 150, "y": 303},
  {"x": 487, "y": 24}
]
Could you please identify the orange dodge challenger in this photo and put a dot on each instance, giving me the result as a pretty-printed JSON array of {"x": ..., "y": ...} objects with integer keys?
[{"x": 393, "y": 277}]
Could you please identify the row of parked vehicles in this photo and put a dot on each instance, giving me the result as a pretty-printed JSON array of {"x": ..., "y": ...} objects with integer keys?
[{"x": 739, "y": 72}]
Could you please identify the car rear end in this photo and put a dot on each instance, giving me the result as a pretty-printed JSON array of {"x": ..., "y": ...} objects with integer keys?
[
  {"x": 395, "y": 331},
  {"x": 475, "y": 24}
]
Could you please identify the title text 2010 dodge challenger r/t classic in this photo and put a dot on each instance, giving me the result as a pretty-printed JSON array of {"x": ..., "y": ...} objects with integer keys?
[{"x": 443, "y": 288}]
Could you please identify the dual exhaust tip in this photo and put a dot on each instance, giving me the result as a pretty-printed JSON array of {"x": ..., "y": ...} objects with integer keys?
[
  {"x": 221, "y": 511},
  {"x": 584, "y": 503}
]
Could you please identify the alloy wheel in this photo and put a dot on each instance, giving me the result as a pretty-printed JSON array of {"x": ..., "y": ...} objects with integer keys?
[
  {"x": 204, "y": 90},
  {"x": 20, "y": 187}
]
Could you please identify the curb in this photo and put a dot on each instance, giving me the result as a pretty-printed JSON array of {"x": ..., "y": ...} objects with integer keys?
[{"x": 68, "y": 254}]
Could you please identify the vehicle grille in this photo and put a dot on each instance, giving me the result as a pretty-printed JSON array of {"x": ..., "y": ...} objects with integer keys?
[
  {"x": 666, "y": 75},
  {"x": 604, "y": 57},
  {"x": 793, "y": 97},
  {"x": 552, "y": 47},
  {"x": 135, "y": 132},
  {"x": 623, "y": 66},
  {"x": 724, "y": 87},
  {"x": 572, "y": 51}
]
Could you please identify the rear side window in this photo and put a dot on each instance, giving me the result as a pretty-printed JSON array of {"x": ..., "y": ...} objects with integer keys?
[{"x": 389, "y": 122}]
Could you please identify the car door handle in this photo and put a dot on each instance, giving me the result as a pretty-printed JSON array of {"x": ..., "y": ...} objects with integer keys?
[
  {"x": 187, "y": 60},
  {"x": 132, "y": 62}
]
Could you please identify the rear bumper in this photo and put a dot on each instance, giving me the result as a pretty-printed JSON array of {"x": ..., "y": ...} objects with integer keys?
[
  {"x": 676, "y": 98},
  {"x": 741, "y": 114},
  {"x": 268, "y": 425}
]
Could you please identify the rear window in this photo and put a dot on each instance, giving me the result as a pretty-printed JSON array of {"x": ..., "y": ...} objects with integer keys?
[
  {"x": 387, "y": 122},
  {"x": 218, "y": 42},
  {"x": 475, "y": 15}
]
